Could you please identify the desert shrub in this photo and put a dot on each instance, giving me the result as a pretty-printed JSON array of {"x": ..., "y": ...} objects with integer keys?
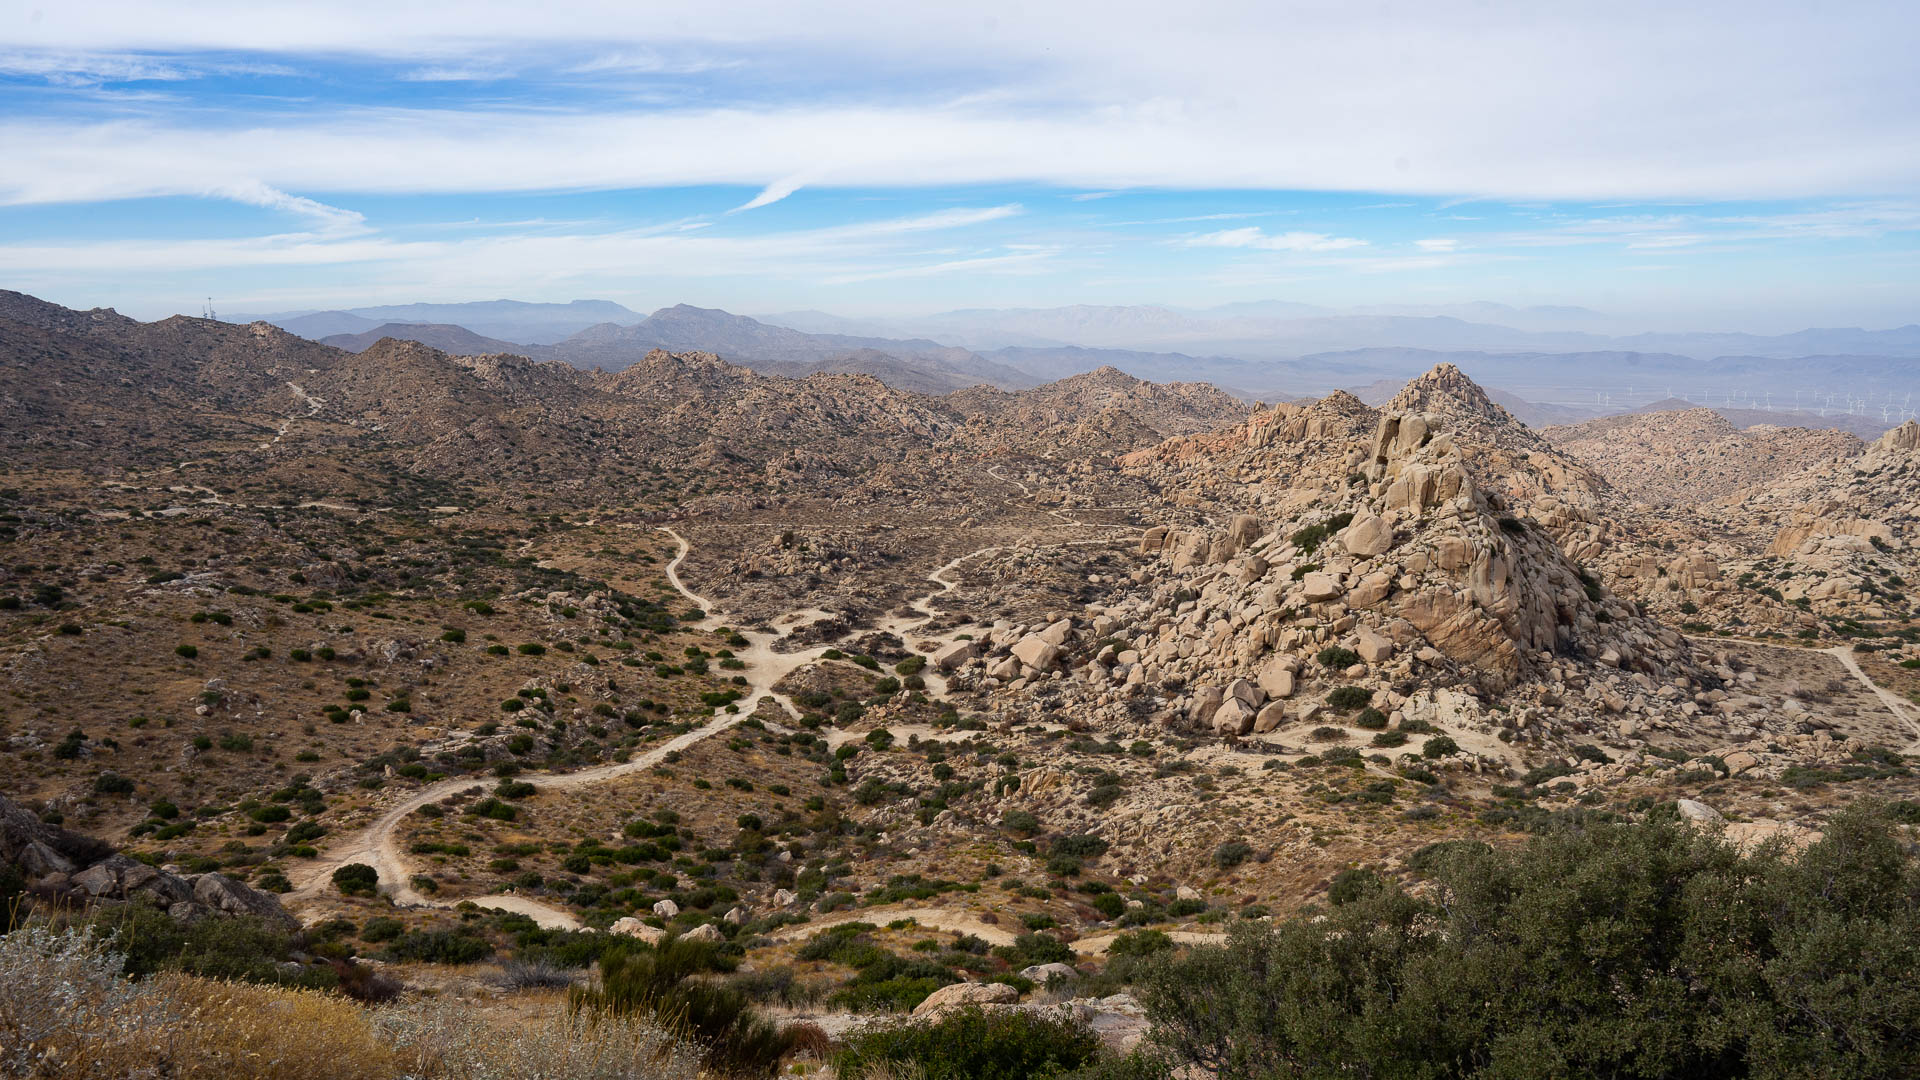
[
  {"x": 1140, "y": 943},
  {"x": 356, "y": 879},
  {"x": 382, "y": 928},
  {"x": 1371, "y": 718},
  {"x": 536, "y": 974},
  {"x": 1333, "y": 656},
  {"x": 61, "y": 994},
  {"x": 1623, "y": 950},
  {"x": 661, "y": 983},
  {"x": 1020, "y": 821},
  {"x": 440, "y": 947},
  {"x": 1390, "y": 739},
  {"x": 1232, "y": 854},
  {"x": 1352, "y": 884},
  {"x": 237, "y": 947},
  {"x": 1438, "y": 746},
  {"x": 111, "y": 783},
  {"x": 969, "y": 1044},
  {"x": 1079, "y": 845},
  {"x": 1349, "y": 698},
  {"x": 1035, "y": 948}
]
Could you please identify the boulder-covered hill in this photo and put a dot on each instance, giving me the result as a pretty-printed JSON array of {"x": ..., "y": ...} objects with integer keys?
[
  {"x": 1696, "y": 455},
  {"x": 1440, "y": 524},
  {"x": 1102, "y": 412}
]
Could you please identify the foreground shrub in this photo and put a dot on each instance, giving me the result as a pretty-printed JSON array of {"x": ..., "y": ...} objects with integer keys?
[
  {"x": 235, "y": 947},
  {"x": 662, "y": 985},
  {"x": 445, "y": 1037},
  {"x": 67, "y": 1011},
  {"x": 1618, "y": 950},
  {"x": 969, "y": 1044}
]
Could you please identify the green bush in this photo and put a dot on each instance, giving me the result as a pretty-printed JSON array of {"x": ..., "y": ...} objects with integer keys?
[
  {"x": 969, "y": 1044},
  {"x": 1079, "y": 845},
  {"x": 1021, "y": 822},
  {"x": 1232, "y": 854},
  {"x": 381, "y": 928},
  {"x": 1371, "y": 718},
  {"x": 1618, "y": 950},
  {"x": 1035, "y": 948},
  {"x": 232, "y": 947},
  {"x": 111, "y": 783},
  {"x": 1333, "y": 656},
  {"x": 439, "y": 947},
  {"x": 1438, "y": 746},
  {"x": 356, "y": 879},
  {"x": 663, "y": 983},
  {"x": 1349, "y": 698}
]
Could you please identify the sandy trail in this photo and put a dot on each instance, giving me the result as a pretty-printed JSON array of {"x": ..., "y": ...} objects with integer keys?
[{"x": 1891, "y": 700}]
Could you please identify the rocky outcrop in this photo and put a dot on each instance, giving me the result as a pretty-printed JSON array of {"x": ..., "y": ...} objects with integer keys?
[
  {"x": 79, "y": 868},
  {"x": 960, "y": 995}
]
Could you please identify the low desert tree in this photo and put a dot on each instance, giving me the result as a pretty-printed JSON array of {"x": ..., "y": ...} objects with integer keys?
[{"x": 1619, "y": 950}]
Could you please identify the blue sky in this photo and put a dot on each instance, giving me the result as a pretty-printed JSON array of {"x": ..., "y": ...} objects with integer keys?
[{"x": 1751, "y": 166}]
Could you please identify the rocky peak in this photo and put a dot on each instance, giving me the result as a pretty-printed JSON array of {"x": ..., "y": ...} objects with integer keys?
[
  {"x": 1447, "y": 392},
  {"x": 1904, "y": 437}
]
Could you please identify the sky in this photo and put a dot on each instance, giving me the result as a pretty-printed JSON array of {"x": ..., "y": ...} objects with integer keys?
[{"x": 1737, "y": 166}]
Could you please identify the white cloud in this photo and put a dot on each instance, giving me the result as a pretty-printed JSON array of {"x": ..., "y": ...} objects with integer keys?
[
  {"x": 851, "y": 252},
  {"x": 1253, "y": 237},
  {"x": 1577, "y": 100},
  {"x": 329, "y": 219},
  {"x": 772, "y": 193},
  {"x": 1017, "y": 262},
  {"x": 454, "y": 74},
  {"x": 1437, "y": 243}
]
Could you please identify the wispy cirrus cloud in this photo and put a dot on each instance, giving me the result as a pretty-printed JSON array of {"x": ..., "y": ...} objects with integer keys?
[
  {"x": 771, "y": 194},
  {"x": 1254, "y": 237}
]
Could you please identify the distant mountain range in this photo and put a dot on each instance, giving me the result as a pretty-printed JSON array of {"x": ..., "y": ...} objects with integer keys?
[
  {"x": 507, "y": 320},
  {"x": 1257, "y": 350},
  {"x": 1270, "y": 330}
]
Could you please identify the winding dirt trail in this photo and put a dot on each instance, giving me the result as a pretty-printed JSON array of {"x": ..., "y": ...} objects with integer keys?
[
  {"x": 377, "y": 844},
  {"x": 1891, "y": 700}
]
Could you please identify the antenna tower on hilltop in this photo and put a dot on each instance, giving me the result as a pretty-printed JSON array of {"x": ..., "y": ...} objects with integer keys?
[{"x": 207, "y": 312}]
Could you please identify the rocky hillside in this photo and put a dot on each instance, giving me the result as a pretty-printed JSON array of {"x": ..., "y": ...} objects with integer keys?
[
  {"x": 1374, "y": 563},
  {"x": 1103, "y": 412},
  {"x": 1696, "y": 455},
  {"x": 123, "y": 392}
]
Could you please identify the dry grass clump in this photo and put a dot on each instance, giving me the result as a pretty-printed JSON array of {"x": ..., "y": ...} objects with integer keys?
[
  {"x": 449, "y": 1039},
  {"x": 67, "y": 1011}
]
